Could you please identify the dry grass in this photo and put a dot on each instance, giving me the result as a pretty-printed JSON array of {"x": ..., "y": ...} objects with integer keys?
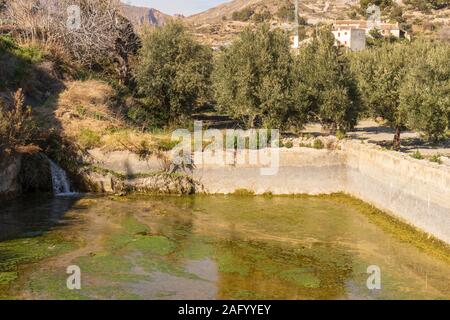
[{"x": 83, "y": 112}]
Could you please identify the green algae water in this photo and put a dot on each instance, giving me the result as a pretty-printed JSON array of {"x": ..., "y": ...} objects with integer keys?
[{"x": 214, "y": 247}]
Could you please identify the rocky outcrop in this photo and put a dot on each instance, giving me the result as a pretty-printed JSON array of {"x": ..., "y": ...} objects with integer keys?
[
  {"x": 141, "y": 16},
  {"x": 35, "y": 174},
  {"x": 9, "y": 175},
  {"x": 154, "y": 183},
  {"x": 21, "y": 173},
  {"x": 162, "y": 183}
]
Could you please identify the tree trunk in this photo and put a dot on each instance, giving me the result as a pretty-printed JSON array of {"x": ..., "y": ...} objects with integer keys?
[{"x": 396, "y": 144}]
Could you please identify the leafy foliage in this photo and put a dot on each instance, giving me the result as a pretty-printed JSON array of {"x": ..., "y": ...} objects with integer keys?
[
  {"x": 425, "y": 93},
  {"x": 253, "y": 80},
  {"x": 323, "y": 72},
  {"x": 407, "y": 85},
  {"x": 380, "y": 74},
  {"x": 173, "y": 74}
]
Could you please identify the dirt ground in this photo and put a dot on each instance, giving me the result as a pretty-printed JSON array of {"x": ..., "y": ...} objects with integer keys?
[{"x": 373, "y": 132}]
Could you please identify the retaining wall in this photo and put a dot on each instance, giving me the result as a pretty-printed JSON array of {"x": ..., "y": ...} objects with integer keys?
[{"x": 416, "y": 191}]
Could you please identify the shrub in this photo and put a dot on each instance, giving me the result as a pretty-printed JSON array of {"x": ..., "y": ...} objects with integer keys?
[
  {"x": 288, "y": 144},
  {"x": 17, "y": 126},
  {"x": 16, "y": 61},
  {"x": 243, "y": 15},
  {"x": 89, "y": 139},
  {"x": 417, "y": 155},
  {"x": 318, "y": 144},
  {"x": 340, "y": 135},
  {"x": 436, "y": 158}
]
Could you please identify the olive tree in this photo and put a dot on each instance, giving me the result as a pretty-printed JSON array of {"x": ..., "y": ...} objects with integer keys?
[
  {"x": 330, "y": 90},
  {"x": 253, "y": 78},
  {"x": 173, "y": 73},
  {"x": 425, "y": 93},
  {"x": 380, "y": 73},
  {"x": 407, "y": 85}
]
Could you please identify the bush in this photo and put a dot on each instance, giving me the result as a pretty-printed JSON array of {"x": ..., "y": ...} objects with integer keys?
[
  {"x": 243, "y": 15},
  {"x": 436, "y": 158},
  {"x": 17, "y": 126},
  {"x": 340, "y": 135},
  {"x": 173, "y": 74},
  {"x": 288, "y": 144},
  {"x": 89, "y": 139},
  {"x": 286, "y": 12},
  {"x": 262, "y": 17},
  {"x": 318, "y": 144},
  {"x": 417, "y": 155}
]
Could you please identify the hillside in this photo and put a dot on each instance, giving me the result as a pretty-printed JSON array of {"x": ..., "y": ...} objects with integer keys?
[
  {"x": 142, "y": 15},
  {"x": 314, "y": 10},
  {"x": 218, "y": 25}
]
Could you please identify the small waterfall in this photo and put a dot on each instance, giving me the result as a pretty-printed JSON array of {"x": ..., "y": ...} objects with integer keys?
[{"x": 61, "y": 184}]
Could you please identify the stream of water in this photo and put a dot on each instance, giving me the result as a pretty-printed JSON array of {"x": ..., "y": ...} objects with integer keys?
[
  {"x": 60, "y": 181},
  {"x": 212, "y": 247}
]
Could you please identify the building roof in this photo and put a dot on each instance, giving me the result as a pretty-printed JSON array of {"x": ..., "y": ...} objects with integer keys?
[{"x": 365, "y": 25}]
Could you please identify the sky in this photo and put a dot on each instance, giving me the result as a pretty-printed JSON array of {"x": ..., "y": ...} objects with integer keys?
[{"x": 186, "y": 7}]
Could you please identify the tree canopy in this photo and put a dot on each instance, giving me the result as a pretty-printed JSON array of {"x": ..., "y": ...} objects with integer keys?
[
  {"x": 173, "y": 73},
  {"x": 253, "y": 79}
]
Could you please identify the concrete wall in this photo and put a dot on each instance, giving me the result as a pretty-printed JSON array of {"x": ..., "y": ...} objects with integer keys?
[
  {"x": 301, "y": 170},
  {"x": 416, "y": 191}
]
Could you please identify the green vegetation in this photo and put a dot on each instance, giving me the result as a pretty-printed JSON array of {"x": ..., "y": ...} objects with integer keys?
[
  {"x": 425, "y": 93},
  {"x": 29, "y": 250},
  {"x": 407, "y": 85},
  {"x": 325, "y": 86},
  {"x": 17, "y": 127},
  {"x": 436, "y": 159},
  {"x": 17, "y": 62},
  {"x": 257, "y": 80},
  {"x": 173, "y": 75},
  {"x": 364, "y": 4},
  {"x": 243, "y": 15},
  {"x": 318, "y": 144},
  {"x": 253, "y": 78},
  {"x": 425, "y": 5},
  {"x": 88, "y": 139},
  {"x": 417, "y": 155},
  {"x": 29, "y": 54}
]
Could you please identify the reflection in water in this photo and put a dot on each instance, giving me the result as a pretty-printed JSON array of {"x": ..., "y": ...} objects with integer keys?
[
  {"x": 31, "y": 215},
  {"x": 222, "y": 247}
]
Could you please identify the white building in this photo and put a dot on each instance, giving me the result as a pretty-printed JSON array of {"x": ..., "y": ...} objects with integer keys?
[
  {"x": 352, "y": 33},
  {"x": 352, "y": 38},
  {"x": 386, "y": 29}
]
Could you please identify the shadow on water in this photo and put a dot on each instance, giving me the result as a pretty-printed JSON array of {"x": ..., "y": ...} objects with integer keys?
[{"x": 30, "y": 216}]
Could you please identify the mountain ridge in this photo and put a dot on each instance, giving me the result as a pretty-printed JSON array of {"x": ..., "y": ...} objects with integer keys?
[{"x": 143, "y": 15}]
